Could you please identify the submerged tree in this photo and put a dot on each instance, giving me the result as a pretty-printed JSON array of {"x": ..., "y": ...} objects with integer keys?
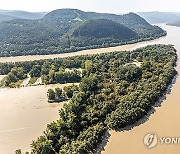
[{"x": 51, "y": 94}]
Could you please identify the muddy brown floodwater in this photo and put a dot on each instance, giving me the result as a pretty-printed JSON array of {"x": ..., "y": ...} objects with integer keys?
[
  {"x": 165, "y": 122},
  {"x": 24, "y": 112},
  {"x": 83, "y": 52},
  {"x": 24, "y": 115}
]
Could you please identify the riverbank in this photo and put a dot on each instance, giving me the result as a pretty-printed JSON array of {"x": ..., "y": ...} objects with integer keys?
[
  {"x": 83, "y": 52},
  {"x": 101, "y": 148},
  {"x": 12, "y": 132},
  {"x": 25, "y": 111},
  {"x": 164, "y": 122},
  {"x": 141, "y": 92}
]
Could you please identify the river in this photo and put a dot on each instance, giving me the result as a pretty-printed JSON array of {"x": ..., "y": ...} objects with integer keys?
[
  {"x": 165, "y": 122},
  {"x": 24, "y": 112},
  {"x": 24, "y": 115},
  {"x": 83, "y": 52}
]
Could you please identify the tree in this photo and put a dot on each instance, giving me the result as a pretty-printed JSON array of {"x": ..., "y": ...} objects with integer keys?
[
  {"x": 51, "y": 94},
  {"x": 18, "y": 151},
  {"x": 16, "y": 74},
  {"x": 69, "y": 90},
  {"x": 112, "y": 97},
  {"x": 51, "y": 76},
  {"x": 58, "y": 93},
  {"x": 89, "y": 83},
  {"x": 35, "y": 71}
]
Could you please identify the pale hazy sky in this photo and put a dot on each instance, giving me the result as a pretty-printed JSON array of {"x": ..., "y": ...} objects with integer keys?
[{"x": 112, "y": 6}]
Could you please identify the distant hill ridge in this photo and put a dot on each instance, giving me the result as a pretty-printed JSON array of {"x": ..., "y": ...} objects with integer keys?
[
  {"x": 6, "y": 15},
  {"x": 65, "y": 30},
  {"x": 130, "y": 20},
  {"x": 160, "y": 17},
  {"x": 174, "y": 24}
]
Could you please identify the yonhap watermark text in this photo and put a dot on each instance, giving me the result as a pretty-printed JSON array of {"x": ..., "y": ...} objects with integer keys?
[{"x": 152, "y": 139}]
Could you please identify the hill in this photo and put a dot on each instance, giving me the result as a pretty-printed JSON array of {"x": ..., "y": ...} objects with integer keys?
[
  {"x": 6, "y": 15},
  {"x": 130, "y": 20},
  {"x": 175, "y": 23},
  {"x": 104, "y": 28},
  {"x": 57, "y": 32},
  {"x": 160, "y": 17}
]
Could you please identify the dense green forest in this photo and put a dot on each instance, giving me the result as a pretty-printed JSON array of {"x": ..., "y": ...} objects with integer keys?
[
  {"x": 65, "y": 30},
  {"x": 103, "y": 28},
  {"x": 116, "y": 89}
]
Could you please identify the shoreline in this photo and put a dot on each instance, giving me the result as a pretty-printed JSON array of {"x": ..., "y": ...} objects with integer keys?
[
  {"x": 130, "y": 46},
  {"x": 156, "y": 110},
  {"x": 101, "y": 147}
]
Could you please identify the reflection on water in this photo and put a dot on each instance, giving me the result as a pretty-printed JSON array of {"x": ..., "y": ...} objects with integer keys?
[{"x": 165, "y": 121}]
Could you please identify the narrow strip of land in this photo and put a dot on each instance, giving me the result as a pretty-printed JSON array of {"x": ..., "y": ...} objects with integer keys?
[{"x": 83, "y": 52}]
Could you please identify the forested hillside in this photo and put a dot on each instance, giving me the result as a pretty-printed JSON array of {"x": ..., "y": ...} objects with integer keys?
[
  {"x": 103, "y": 28},
  {"x": 58, "y": 32},
  {"x": 98, "y": 31},
  {"x": 6, "y": 15},
  {"x": 116, "y": 89}
]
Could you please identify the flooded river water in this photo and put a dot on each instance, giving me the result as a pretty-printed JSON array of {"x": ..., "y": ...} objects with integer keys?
[
  {"x": 165, "y": 122},
  {"x": 24, "y": 112},
  {"x": 24, "y": 115}
]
